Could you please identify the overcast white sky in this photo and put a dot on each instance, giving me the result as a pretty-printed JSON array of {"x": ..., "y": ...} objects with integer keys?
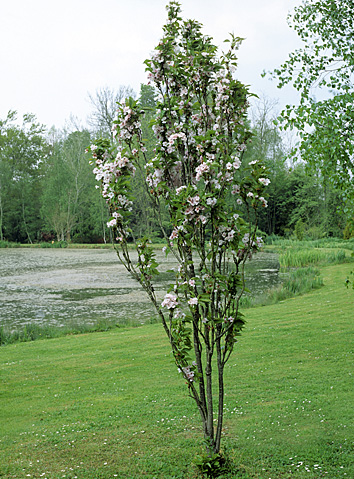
[{"x": 53, "y": 52}]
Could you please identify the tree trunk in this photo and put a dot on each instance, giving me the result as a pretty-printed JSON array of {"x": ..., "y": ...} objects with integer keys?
[
  {"x": 221, "y": 396},
  {"x": 25, "y": 223},
  {"x": 1, "y": 219}
]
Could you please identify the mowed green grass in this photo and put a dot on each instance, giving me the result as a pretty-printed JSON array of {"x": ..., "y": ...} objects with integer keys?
[{"x": 112, "y": 404}]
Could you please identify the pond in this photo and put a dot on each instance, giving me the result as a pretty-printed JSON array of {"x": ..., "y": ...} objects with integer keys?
[{"x": 59, "y": 287}]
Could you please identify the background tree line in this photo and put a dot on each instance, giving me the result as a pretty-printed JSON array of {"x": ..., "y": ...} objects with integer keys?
[{"x": 47, "y": 189}]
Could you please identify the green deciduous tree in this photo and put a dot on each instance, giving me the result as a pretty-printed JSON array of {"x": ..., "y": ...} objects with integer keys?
[
  {"x": 268, "y": 145},
  {"x": 323, "y": 68},
  {"x": 71, "y": 208},
  {"x": 294, "y": 192},
  {"x": 22, "y": 151},
  {"x": 144, "y": 221}
]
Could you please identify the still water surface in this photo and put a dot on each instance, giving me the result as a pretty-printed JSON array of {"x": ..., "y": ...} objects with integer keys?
[{"x": 62, "y": 286}]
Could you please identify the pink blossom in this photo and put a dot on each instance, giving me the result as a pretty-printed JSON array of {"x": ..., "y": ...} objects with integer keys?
[
  {"x": 189, "y": 210},
  {"x": 175, "y": 137},
  {"x": 230, "y": 235},
  {"x": 236, "y": 164},
  {"x": 199, "y": 208},
  {"x": 264, "y": 181},
  {"x": 178, "y": 314},
  {"x": 193, "y": 301},
  {"x": 211, "y": 201},
  {"x": 188, "y": 373},
  {"x": 193, "y": 200},
  {"x": 111, "y": 223},
  {"x": 246, "y": 239},
  {"x": 264, "y": 201},
  {"x": 216, "y": 184},
  {"x": 122, "y": 162},
  {"x": 170, "y": 301},
  {"x": 174, "y": 234},
  {"x": 155, "y": 178},
  {"x": 181, "y": 188},
  {"x": 201, "y": 169}
]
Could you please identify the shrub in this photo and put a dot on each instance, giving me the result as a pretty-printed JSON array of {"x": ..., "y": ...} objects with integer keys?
[{"x": 299, "y": 229}]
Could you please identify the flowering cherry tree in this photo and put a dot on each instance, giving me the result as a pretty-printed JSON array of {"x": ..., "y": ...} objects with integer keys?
[{"x": 198, "y": 175}]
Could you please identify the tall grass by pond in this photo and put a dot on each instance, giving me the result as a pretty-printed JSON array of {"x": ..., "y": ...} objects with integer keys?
[
  {"x": 299, "y": 262},
  {"x": 305, "y": 257},
  {"x": 298, "y": 281},
  {"x": 33, "y": 332},
  {"x": 9, "y": 244},
  {"x": 281, "y": 244}
]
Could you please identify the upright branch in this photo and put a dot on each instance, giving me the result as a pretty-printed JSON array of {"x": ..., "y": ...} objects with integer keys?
[{"x": 201, "y": 133}]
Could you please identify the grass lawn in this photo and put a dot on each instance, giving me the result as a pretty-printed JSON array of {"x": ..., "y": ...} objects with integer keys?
[{"x": 112, "y": 404}]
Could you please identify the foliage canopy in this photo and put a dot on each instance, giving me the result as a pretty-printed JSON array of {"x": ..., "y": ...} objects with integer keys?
[{"x": 324, "y": 66}]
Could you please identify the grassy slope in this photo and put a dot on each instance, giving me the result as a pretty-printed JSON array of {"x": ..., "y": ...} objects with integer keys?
[{"x": 111, "y": 404}]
